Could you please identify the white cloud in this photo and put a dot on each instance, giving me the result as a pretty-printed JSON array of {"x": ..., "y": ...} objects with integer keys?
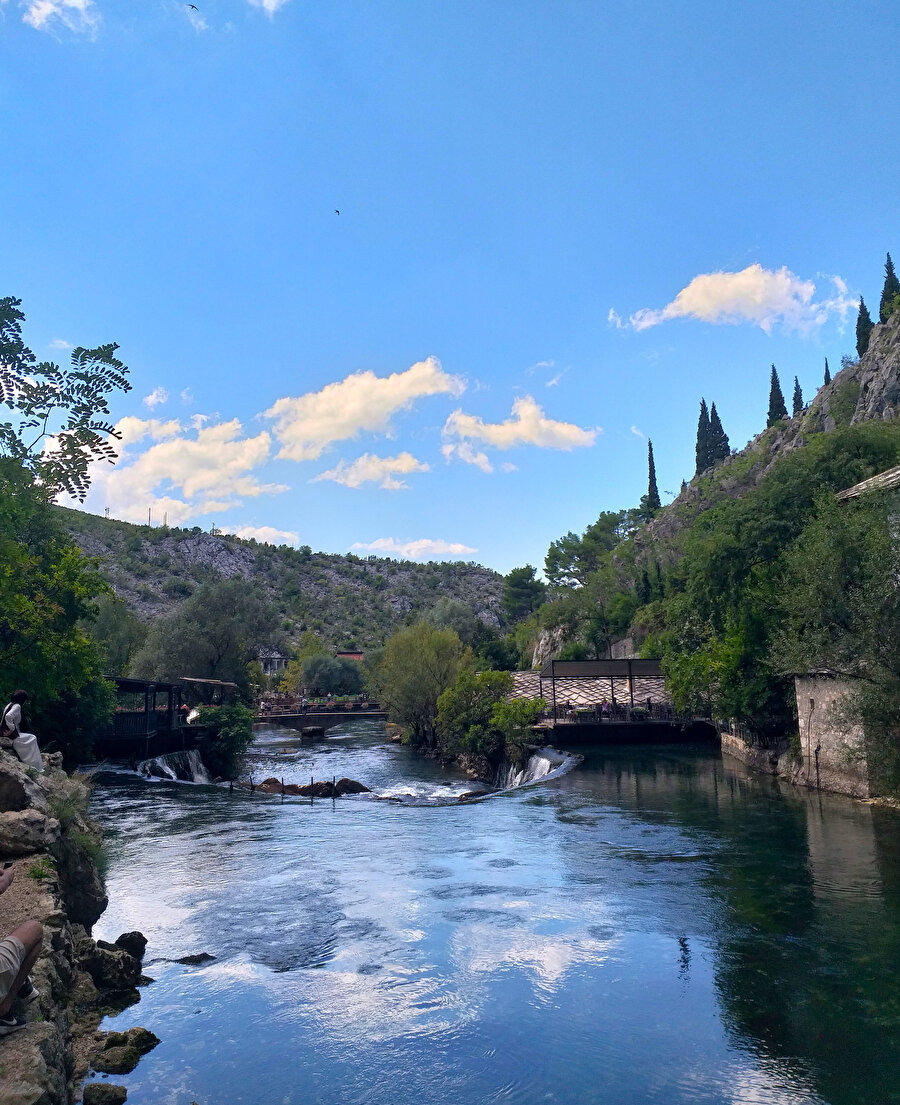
[
  {"x": 528, "y": 426},
  {"x": 75, "y": 15},
  {"x": 371, "y": 469},
  {"x": 156, "y": 398},
  {"x": 507, "y": 467},
  {"x": 307, "y": 424},
  {"x": 180, "y": 475},
  {"x": 196, "y": 19},
  {"x": 187, "y": 396},
  {"x": 421, "y": 549},
  {"x": 764, "y": 297},
  {"x": 268, "y": 534},
  {"x": 466, "y": 452},
  {"x": 554, "y": 381},
  {"x": 60, "y": 343},
  {"x": 636, "y": 431},
  {"x": 268, "y": 6}
]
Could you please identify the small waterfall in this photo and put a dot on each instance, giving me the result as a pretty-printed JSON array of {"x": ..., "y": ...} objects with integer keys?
[
  {"x": 186, "y": 766},
  {"x": 540, "y": 764}
]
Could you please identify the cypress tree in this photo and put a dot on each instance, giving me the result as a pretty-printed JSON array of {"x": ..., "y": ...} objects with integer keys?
[
  {"x": 702, "y": 452},
  {"x": 827, "y": 373},
  {"x": 864, "y": 326},
  {"x": 890, "y": 290},
  {"x": 777, "y": 408},
  {"x": 653, "y": 503},
  {"x": 718, "y": 439},
  {"x": 798, "y": 397}
]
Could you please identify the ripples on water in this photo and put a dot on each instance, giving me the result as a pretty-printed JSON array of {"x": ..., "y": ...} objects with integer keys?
[{"x": 654, "y": 927}]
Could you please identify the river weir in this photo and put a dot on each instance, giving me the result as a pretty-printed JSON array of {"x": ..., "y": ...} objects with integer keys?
[{"x": 655, "y": 926}]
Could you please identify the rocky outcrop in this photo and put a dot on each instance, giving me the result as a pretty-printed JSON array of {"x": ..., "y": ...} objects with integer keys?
[
  {"x": 321, "y": 789},
  {"x": 45, "y": 830}
]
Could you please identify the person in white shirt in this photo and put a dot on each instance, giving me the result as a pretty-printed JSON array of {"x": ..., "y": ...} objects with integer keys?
[{"x": 25, "y": 744}]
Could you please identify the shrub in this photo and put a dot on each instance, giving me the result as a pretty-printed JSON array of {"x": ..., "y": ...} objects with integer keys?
[{"x": 229, "y": 732}]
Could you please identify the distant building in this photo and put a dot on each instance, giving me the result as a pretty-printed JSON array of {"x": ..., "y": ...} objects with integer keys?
[
  {"x": 348, "y": 655},
  {"x": 272, "y": 662}
]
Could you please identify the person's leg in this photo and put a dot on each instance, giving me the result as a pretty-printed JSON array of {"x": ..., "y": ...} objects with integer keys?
[{"x": 32, "y": 936}]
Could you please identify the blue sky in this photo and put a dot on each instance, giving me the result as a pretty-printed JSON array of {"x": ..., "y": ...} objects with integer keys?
[{"x": 560, "y": 225}]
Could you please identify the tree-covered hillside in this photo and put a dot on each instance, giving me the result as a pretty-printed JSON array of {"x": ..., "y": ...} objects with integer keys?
[{"x": 345, "y": 600}]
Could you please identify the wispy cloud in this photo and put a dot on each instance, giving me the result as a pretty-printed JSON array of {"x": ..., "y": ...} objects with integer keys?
[
  {"x": 80, "y": 16},
  {"x": 527, "y": 426},
  {"x": 371, "y": 469},
  {"x": 306, "y": 425},
  {"x": 186, "y": 396},
  {"x": 267, "y": 534},
  {"x": 424, "y": 547},
  {"x": 468, "y": 454},
  {"x": 60, "y": 343},
  {"x": 156, "y": 398},
  {"x": 636, "y": 431},
  {"x": 269, "y": 6},
  {"x": 763, "y": 297},
  {"x": 196, "y": 19}
]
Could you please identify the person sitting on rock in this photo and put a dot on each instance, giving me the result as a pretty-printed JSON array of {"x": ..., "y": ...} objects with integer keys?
[{"x": 18, "y": 953}]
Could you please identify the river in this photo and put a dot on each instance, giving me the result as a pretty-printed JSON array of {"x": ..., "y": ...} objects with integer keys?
[{"x": 654, "y": 926}]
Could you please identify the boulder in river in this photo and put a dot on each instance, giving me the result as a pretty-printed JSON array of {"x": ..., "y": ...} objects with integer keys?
[
  {"x": 104, "y": 1093},
  {"x": 135, "y": 943}
]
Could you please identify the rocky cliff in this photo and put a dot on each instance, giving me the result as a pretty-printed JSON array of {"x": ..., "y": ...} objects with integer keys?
[{"x": 45, "y": 832}]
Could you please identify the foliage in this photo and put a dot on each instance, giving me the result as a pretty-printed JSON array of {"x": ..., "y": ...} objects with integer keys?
[
  {"x": 308, "y": 646},
  {"x": 718, "y": 440},
  {"x": 47, "y": 591},
  {"x": 889, "y": 292},
  {"x": 827, "y": 379},
  {"x": 650, "y": 503},
  {"x": 228, "y": 735},
  {"x": 118, "y": 632},
  {"x": 42, "y": 868},
  {"x": 777, "y": 408},
  {"x": 416, "y": 666},
  {"x": 702, "y": 449},
  {"x": 571, "y": 559},
  {"x": 864, "y": 327},
  {"x": 798, "y": 398},
  {"x": 60, "y": 431},
  {"x": 449, "y": 614},
  {"x": 332, "y": 675},
  {"x": 465, "y": 711},
  {"x": 522, "y": 593},
  {"x": 513, "y": 718},
  {"x": 214, "y": 634},
  {"x": 843, "y": 401}
]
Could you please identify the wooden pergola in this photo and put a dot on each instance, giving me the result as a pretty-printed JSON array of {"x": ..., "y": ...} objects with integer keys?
[{"x": 586, "y": 683}]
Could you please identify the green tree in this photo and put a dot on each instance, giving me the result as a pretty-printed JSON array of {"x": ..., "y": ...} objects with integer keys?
[
  {"x": 332, "y": 675},
  {"x": 864, "y": 327},
  {"x": 449, "y": 614},
  {"x": 798, "y": 398},
  {"x": 522, "y": 593},
  {"x": 650, "y": 503},
  {"x": 47, "y": 596},
  {"x": 59, "y": 429},
  {"x": 464, "y": 714},
  {"x": 514, "y": 719},
  {"x": 227, "y": 734},
  {"x": 719, "y": 448},
  {"x": 118, "y": 632},
  {"x": 777, "y": 408},
  {"x": 214, "y": 634},
  {"x": 571, "y": 559},
  {"x": 308, "y": 646},
  {"x": 703, "y": 452},
  {"x": 415, "y": 668},
  {"x": 827, "y": 372},
  {"x": 889, "y": 292}
]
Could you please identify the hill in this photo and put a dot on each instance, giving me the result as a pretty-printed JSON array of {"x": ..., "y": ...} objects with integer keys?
[{"x": 346, "y": 600}]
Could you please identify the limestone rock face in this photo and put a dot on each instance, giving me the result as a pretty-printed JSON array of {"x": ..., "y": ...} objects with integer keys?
[
  {"x": 135, "y": 943},
  {"x": 104, "y": 1093},
  {"x": 24, "y": 832},
  {"x": 879, "y": 373},
  {"x": 110, "y": 967},
  {"x": 32, "y": 1071}
]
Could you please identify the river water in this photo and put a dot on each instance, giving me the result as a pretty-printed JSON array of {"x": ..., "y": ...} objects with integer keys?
[{"x": 654, "y": 926}]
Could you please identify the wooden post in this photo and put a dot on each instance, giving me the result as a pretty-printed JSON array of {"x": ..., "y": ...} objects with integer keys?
[
  {"x": 630, "y": 684},
  {"x": 553, "y": 686}
]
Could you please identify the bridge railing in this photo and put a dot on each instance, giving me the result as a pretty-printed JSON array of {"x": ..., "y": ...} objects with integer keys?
[{"x": 611, "y": 712}]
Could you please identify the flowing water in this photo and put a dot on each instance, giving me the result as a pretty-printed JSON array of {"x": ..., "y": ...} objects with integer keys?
[{"x": 654, "y": 926}]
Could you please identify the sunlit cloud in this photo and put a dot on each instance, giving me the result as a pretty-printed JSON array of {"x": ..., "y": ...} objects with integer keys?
[
  {"x": 636, "y": 431},
  {"x": 371, "y": 469},
  {"x": 269, "y": 6},
  {"x": 80, "y": 16},
  {"x": 421, "y": 549},
  {"x": 156, "y": 398},
  {"x": 363, "y": 402},
  {"x": 266, "y": 534},
  {"x": 527, "y": 426},
  {"x": 763, "y": 297},
  {"x": 181, "y": 473},
  {"x": 60, "y": 343}
]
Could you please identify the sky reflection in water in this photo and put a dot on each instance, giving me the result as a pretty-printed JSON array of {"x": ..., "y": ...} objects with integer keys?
[{"x": 654, "y": 927}]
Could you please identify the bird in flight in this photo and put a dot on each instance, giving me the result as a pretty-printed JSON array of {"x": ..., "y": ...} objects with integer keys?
[
  {"x": 336, "y": 211},
  {"x": 194, "y": 6}
]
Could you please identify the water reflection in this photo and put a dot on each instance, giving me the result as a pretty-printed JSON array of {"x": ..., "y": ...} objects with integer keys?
[{"x": 656, "y": 926}]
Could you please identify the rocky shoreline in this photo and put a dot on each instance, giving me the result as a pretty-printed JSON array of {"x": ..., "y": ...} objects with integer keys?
[{"x": 54, "y": 846}]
